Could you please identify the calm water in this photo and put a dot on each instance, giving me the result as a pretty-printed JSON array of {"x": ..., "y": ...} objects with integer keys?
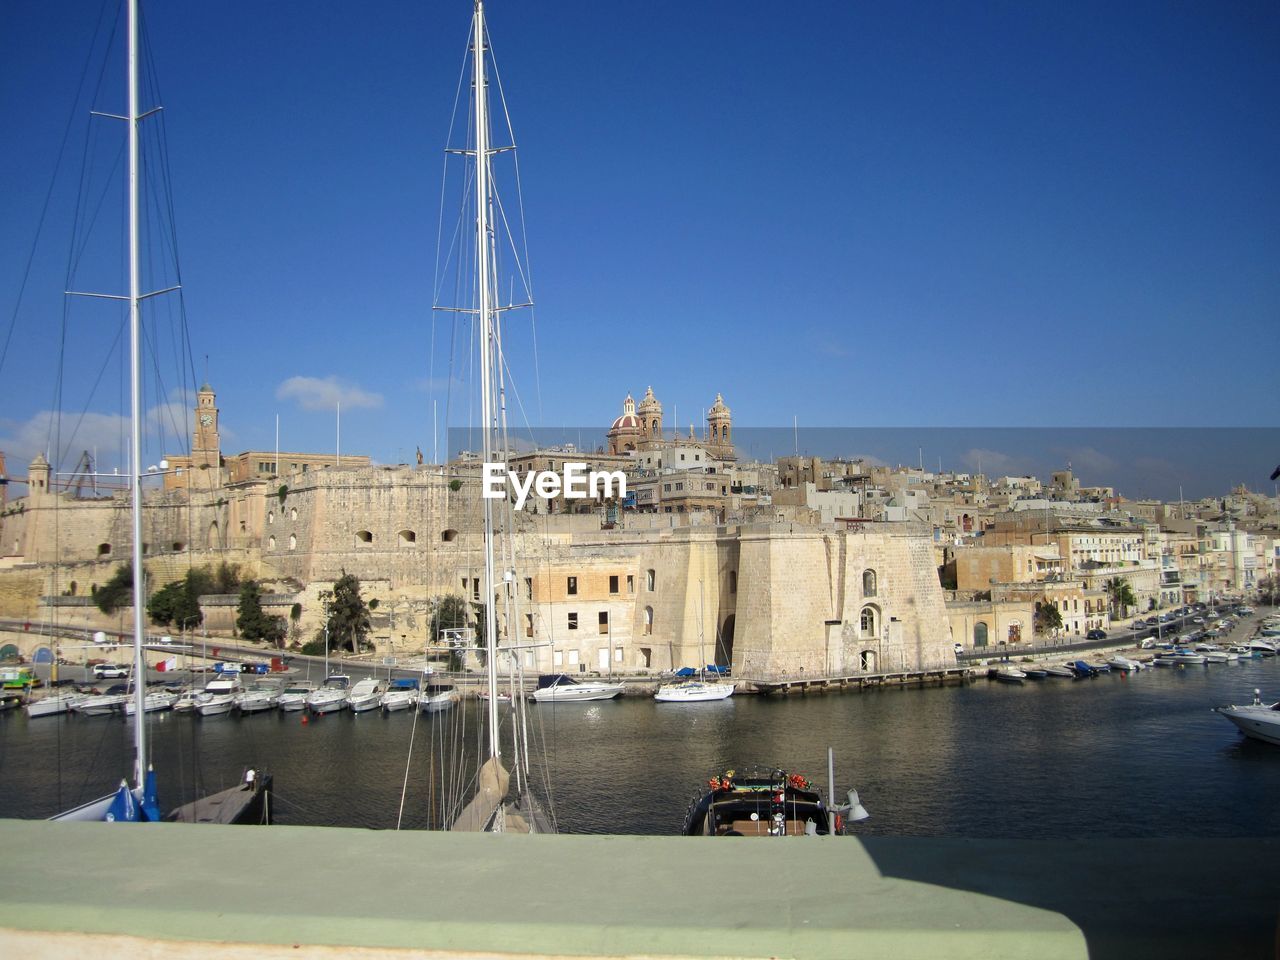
[{"x": 1113, "y": 756}]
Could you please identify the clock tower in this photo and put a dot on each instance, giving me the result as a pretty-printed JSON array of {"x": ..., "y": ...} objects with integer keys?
[{"x": 205, "y": 444}]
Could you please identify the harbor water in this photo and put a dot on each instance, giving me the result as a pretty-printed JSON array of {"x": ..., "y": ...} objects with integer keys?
[{"x": 1139, "y": 755}]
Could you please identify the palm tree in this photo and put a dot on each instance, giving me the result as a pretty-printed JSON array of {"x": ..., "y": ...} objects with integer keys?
[{"x": 1121, "y": 594}]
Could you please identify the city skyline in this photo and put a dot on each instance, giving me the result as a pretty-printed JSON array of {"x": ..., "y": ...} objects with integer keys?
[{"x": 937, "y": 217}]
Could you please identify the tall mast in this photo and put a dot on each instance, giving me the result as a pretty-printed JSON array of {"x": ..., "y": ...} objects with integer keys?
[
  {"x": 135, "y": 410},
  {"x": 488, "y": 323}
]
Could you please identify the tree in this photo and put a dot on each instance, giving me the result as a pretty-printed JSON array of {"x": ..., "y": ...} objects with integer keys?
[
  {"x": 1121, "y": 594},
  {"x": 449, "y": 613},
  {"x": 348, "y": 614},
  {"x": 252, "y": 622},
  {"x": 1048, "y": 618},
  {"x": 116, "y": 592},
  {"x": 178, "y": 603}
]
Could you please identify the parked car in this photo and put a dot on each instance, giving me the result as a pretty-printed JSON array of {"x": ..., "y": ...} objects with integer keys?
[
  {"x": 1096, "y": 635},
  {"x": 110, "y": 671}
]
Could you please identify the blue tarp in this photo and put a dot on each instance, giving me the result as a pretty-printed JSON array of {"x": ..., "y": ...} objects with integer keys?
[
  {"x": 686, "y": 672},
  {"x": 719, "y": 668}
]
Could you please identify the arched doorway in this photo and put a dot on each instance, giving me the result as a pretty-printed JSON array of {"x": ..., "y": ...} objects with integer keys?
[
  {"x": 42, "y": 655},
  {"x": 980, "y": 634},
  {"x": 9, "y": 652},
  {"x": 723, "y": 654}
]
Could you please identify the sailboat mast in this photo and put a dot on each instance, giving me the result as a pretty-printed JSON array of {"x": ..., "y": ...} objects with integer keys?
[
  {"x": 488, "y": 321},
  {"x": 135, "y": 409}
]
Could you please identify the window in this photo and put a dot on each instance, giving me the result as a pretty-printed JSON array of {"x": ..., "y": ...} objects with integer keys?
[
  {"x": 573, "y": 658},
  {"x": 557, "y": 659},
  {"x": 293, "y": 514},
  {"x": 528, "y": 624},
  {"x": 733, "y": 581},
  {"x": 364, "y": 536},
  {"x": 869, "y": 583},
  {"x": 604, "y": 622},
  {"x": 448, "y": 536},
  {"x": 475, "y": 588},
  {"x": 573, "y": 586},
  {"x": 869, "y": 622},
  {"x": 293, "y": 541},
  {"x": 271, "y": 516},
  {"x": 613, "y": 584},
  {"x": 648, "y": 621},
  {"x": 652, "y": 577},
  {"x": 528, "y": 588},
  {"x": 407, "y": 537},
  {"x": 271, "y": 543},
  {"x": 573, "y": 621},
  {"x": 104, "y": 549},
  {"x": 631, "y": 583}
]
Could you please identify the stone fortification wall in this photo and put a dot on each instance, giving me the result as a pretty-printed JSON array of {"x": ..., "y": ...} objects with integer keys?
[{"x": 804, "y": 593}]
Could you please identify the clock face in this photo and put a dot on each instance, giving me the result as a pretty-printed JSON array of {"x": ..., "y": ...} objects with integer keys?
[{"x": 206, "y": 419}]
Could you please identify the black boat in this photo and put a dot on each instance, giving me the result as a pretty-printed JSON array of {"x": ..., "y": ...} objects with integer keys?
[{"x": 769, "y": 803}]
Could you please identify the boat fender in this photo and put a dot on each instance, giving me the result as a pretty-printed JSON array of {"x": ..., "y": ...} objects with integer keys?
[{"x": 305, "y": 721}]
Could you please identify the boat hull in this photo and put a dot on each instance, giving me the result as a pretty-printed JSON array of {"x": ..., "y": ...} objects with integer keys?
[
  {"x": 577, "y": 693},
  {"x": 693, "y": 692},
  {"x": 1254, "y": 722}
]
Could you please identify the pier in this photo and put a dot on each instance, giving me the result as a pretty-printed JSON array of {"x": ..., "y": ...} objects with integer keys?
[{"x": 943, "y": 676}]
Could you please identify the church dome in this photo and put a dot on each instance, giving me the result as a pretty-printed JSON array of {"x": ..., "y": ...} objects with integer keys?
[{"x": 628, "y": 421}]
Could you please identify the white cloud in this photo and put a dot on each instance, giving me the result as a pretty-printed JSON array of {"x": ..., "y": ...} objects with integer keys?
[{"x": 314, "y": 393}]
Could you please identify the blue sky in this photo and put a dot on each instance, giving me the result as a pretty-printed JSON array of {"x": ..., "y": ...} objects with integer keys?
[{"x": 1002, "y": 214}]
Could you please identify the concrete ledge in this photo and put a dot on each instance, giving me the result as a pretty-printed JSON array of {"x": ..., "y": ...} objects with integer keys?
[{"x": 195, "y": 890}]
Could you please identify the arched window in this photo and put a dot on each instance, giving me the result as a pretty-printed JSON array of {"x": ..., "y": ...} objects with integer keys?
[
  {"x": 271, "y": 543},
  {"x": 869, "y": 622},
  {"x": 868, "y": 583},
  {"x": 104, "y": 549},
  {"x": 408, "y": 538},
  {"x": 648, "y": 621},
  {"x": 293, "y": 514},
  {"x": 979, "y": 634},
  {"x": 293, "y": 541},
  {"x": 271, "y": 516},
  {"x": 448, "y": 536},
  {"x": 651, "y": 578},
  {"x": 363, "y": 536},
  {"x": 177, "y": 546},
  {"x": 213, "y": 536}
]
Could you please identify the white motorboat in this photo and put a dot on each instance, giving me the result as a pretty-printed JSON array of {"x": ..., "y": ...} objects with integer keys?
[
  {"x": 694, "y": 691},
  {"x": 366, "y": 695},
  {"x": 332, "y": 695},
  {"x": 1264, "y": 647},
  {"x": 437, "y": 696},
  {"x": 294, "y": 696},
  {"x": 186, "y": 702},
  {"x": 1124, "y": 664},
  {"x": 1053, "y": 671},
  {"x": 1258, "y": 720},
  {"x": 103, "y": 704},
  {"x": 400, "y": 695},
  {"x": 57, "y": 703},
  {"x": 218, "y": 696},
  {"x": 1189, "y": 657},
  {"x": 153, "y": 702},
  {"x": 259, "y": 697},
  {"x": 1010, "y": 674},
  {"x": 559, "y": 688}
]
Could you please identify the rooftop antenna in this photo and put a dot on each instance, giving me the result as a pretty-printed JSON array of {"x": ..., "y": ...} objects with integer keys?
[{"x": 795, "y": 426}]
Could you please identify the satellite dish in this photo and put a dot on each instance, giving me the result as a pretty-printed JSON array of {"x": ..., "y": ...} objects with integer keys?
[{"x": 100, "y": 637}]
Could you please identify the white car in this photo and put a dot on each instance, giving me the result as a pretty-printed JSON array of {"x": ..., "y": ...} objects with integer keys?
[{"x": 110, "y": 671}]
